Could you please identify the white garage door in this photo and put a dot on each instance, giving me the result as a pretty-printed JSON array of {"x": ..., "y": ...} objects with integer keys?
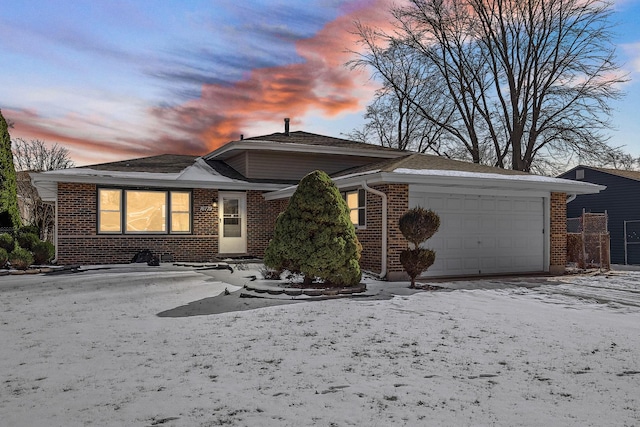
[{"x": 484, "y": 234}]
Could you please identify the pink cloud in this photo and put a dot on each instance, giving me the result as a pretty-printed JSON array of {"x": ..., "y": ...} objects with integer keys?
[{"x": 319, "y": 84}]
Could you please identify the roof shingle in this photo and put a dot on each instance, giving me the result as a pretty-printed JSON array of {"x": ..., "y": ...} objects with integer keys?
[
  {"x": 419, "y": 161},
  {"x": 163, "y": 163}
]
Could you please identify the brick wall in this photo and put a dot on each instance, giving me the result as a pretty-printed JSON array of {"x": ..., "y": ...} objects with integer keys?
[
  {"x": 558, "y": 225},
  {"x": 261, "y": 220},
  {"x": 371, "y": 236},
  {"x": 79, "y": 243},
  {"x": 398, "y": 195}
]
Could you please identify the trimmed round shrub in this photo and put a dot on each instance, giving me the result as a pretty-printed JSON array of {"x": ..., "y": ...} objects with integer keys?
[
  {"x": 7, "y": 242},
  {"x": 314, "y": 235},
  {"x": 415, "y": 261},
  {"x": 43, "y": 252},
  {"x": 418, "y": 225},
  {"x": 20, "y": 258},
  {"x": 27, "y": 240},
  {"x": 4, "y": 257}
]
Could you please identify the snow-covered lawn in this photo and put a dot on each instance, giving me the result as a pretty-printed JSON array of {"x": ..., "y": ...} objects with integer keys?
[{"x": 89, "y": 349}]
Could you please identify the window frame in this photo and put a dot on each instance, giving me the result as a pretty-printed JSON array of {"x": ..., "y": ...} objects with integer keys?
[
  {"x": 168, "y": 212},
  {"x": 361, "y": 196},
  {"x": 100, "y": 210}
]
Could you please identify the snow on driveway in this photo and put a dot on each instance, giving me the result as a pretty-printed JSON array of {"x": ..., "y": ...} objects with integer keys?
[{"x": 89, "y": 349}]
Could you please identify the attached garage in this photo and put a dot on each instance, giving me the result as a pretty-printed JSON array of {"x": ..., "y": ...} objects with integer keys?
[
  {"x": 492, "y": 221},
  {"x": 482, "y": 234}
]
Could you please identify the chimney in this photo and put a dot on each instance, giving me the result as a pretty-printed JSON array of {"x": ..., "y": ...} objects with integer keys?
[{"x": 286, "y": 126}]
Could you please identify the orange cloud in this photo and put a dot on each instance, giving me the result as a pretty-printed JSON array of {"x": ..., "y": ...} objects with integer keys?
[{"x": 319, "y": 84}]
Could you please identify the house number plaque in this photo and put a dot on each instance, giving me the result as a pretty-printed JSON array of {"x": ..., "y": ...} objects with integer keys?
[{"x": 206, "y": 208}]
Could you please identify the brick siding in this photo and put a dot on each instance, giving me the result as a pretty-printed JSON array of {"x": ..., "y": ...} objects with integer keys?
[
  {"x": 370, "y": 237},
  {"x": 558, "y": 225},
  {"x": 79, "y": 243},
  {"x": 261, "y": 220}
]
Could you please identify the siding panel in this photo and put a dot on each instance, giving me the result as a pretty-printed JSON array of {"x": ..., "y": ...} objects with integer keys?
[
  {"x": 620, "y": 200},
  {"x": 265, "y": 165}
]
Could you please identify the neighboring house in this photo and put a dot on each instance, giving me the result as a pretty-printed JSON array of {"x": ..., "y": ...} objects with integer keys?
[
  {"x": 619, "y": 201},
  {"x": 225, "y": 203}
]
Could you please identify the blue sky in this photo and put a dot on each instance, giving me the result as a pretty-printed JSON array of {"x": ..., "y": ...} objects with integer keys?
[{"x": 119, "y": 79}]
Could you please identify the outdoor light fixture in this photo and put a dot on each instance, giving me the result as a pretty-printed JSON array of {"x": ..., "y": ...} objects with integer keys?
[{"x": 214, "y": 203}]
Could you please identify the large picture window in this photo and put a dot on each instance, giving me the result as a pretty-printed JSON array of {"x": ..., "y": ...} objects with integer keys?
[
  {"x": 143, "y": 211},
  {"x": 356, "y": 200}
]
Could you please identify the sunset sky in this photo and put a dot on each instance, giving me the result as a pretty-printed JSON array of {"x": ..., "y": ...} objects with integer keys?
[{"x": 119, "y": 79}]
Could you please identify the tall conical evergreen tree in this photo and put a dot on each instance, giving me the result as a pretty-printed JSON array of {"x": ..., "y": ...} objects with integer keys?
[
  {"x": 314, "y": 235},
  {"x": 9, "y": 212}
]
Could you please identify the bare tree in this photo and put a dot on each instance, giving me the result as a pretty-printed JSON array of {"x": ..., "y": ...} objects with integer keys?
[
  {"x": 396, "y": 116},
  {"x": 516, "y": 81},
  {"x": 36, "y": 156}
]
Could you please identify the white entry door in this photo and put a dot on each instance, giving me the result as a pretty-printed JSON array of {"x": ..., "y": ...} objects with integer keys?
[{"x": 232, "y": 218}]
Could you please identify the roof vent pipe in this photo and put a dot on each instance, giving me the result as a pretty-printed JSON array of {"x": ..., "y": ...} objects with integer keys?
[
  {"x": 241, "y": 136},
  {"x": 286, "y": 126}
]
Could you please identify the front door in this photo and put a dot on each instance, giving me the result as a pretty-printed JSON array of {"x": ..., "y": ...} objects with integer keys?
[{"x": 232, "y": 217}]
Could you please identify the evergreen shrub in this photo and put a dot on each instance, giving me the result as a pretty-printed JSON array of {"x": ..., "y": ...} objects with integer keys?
[
  {"x": 7, "y": 242},
  {"x": 4, "y": 257},
  {"x": 20, "y": 258},
  {"x": 43, "y": 252},
  {"x": 314, "y": 236},
  {"x": 27, "y": 240}
]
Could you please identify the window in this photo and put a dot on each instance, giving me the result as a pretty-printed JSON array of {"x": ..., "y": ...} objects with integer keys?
[
  {"x": 356, "y": 200},
  {"x": 109, "y": 211},
  {"x": 143, "y": 211},
  {"x": 180, "y": 212}
]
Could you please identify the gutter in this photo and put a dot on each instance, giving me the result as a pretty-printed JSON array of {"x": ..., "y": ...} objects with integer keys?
[{"x": 383, "y": 263}]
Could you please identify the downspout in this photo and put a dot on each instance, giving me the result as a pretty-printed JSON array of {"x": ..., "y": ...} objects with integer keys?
[
  {"x": 571, "y": 198},
  {"x": 55, "y": 232},
  {"x": 383, "y": 263}
]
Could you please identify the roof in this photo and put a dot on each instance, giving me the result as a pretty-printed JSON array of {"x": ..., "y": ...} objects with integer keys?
[
  {"x": 166, "y": 171},
  {"x": 304, "y": 142},
  {"x": 393, "y": 166},
  {"x": 446, "y": 175},
  {"x": 427, "y": 161},
  {"x": 307, "y": 138},
  {"x": 635, "y": 175},
  {"x": 225, "y": 170},
  {"x": 163, "y": 163}
]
